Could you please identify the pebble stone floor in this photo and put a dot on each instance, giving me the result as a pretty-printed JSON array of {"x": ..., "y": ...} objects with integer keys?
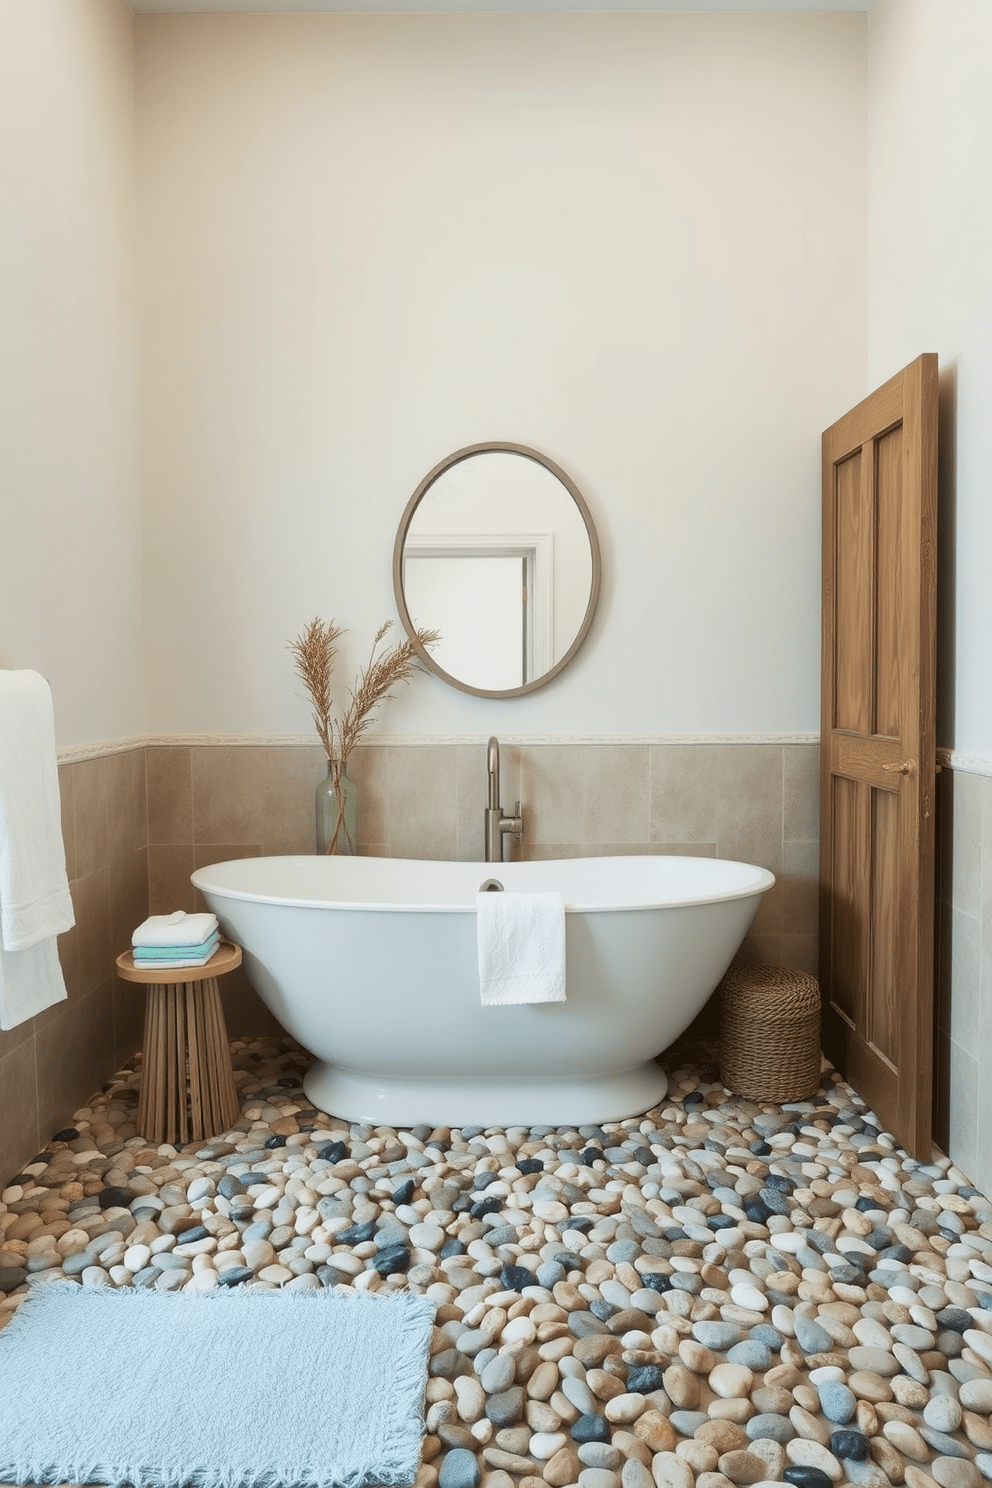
[{"x": 719, "y": 1292}]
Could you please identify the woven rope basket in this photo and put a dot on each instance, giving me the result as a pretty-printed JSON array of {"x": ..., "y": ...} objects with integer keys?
[{"x": 770, "y": 1033}]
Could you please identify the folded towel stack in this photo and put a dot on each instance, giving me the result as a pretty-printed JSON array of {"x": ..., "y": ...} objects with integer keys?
[{"x": 178, "y": 939}]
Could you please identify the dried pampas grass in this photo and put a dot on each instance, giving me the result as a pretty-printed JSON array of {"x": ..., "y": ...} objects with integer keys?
[{"x": 314, "y": 652}]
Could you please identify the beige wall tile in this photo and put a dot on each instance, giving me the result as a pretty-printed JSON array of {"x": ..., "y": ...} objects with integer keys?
[
  {"x": 966, "y": 826},
  {"x": 981, "y": 1172},
  {"x": 801, "y": 952},
  {"x": 749, "y": 786},
  {"x": 619, "y": 850},
  {"x": 11, "y": 1039},
  {"x": 768, "y": 918},
  {"x": 291, "y": 777},
  {"x": 19, "y": 1134},
  {"x": 962, "y": 1111},
  {"x": 74, "y": 1058},
  {"x": 965, "y": 1024},
  {"x": 552, "y": 790},
  {"x": 986, "y": 911},
  {"x": 128, "y": 1000},
  {"x": 169, "y": 776},
  {"x": 685, "y": 795},
  {"x": 535, "y": 852},
  {"x": 245, "y": 1014},
  {"x": 801, "y": 888},
  {"x": 942, "y": 990},
  {"x": 127, "y": 814},
  {"x": 422, "y": 805},
  {"x": 169, "y": 887},
  {"x": 91, "y": 898},
  {"x": 800, "y": 792},
  {"x": 944, "y": 832},
  {"x": 685, "y": 849},
  {"x": 760, "y": 950},
  {"x": 128, "y": 898},
  {"x": 369, "y": 769},
  {"x": 616, "y": 805},
  {"x": 90, "y": 816},
  {"x": 228, "y": 787}
]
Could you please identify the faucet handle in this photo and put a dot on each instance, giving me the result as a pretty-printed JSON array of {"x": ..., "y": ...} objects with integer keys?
[{"x": 514, "y": 823}]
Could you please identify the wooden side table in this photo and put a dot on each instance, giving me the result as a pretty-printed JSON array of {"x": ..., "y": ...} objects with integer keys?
[{"x": 187, "y": 1084}]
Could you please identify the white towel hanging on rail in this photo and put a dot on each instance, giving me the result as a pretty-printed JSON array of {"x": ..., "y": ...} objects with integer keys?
[
  {"x": 521, "y": 948},
  {"x": 35, "y": 904}
]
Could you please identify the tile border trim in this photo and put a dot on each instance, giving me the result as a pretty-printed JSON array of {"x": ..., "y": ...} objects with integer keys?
[
  {"x": 952, "y": 759},
  {"x": 73, "y": 754},
  {"x": 965, "y": 764}
]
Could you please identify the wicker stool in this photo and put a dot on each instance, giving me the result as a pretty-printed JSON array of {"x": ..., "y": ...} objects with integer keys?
[{"x": 770, "y": 1033}]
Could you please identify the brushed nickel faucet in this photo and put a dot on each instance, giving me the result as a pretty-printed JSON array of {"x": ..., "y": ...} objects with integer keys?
[{"x": 496, "y": 823}]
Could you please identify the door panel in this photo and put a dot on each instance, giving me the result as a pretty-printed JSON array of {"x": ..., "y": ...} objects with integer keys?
[
  {"x": 853, "y": 631},
  {"x": 877, "y": 757}
]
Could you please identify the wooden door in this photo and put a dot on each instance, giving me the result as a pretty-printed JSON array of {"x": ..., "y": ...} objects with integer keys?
[{"x": 877, "y": 748}]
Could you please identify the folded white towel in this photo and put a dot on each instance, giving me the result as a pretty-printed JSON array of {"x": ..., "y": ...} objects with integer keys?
[
  {"x": 521, "y": 948},
  {"x": 35, "y": 905},
  {"x": 178, "y": 929}
]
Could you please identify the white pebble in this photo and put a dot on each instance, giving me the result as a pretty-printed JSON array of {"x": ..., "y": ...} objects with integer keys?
[
  {"x": 201, "y": 1281},
  {"x": 470, "y": 1398},
  {"x": 519, "y": 1329},
  {"x": 428, "y": 1237},
  {"x": 744, "y": 1294},
  {"x": 136, "y": 1257},
  {"x": 275, "y": 1274},
  {"x": 803, "y": 1453},
  {"x": 544, "y": 1444}
]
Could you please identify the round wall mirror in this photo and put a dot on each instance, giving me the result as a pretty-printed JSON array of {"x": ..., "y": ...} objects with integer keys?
[{"x": 497, "y": 551}]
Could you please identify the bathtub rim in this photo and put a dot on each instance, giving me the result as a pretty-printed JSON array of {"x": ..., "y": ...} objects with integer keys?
[{"x": 761, "y": 883}]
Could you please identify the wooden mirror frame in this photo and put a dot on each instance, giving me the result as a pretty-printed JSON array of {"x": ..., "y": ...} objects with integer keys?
[{"x": 495, "y": 447}]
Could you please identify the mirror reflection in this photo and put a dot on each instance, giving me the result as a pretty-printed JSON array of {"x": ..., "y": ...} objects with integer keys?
[{"x": 497, "y": 551}]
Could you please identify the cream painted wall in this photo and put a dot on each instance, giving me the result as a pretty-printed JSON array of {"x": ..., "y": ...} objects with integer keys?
[
  {"x": 634, "y": 242},
  {"x": 70, "y": 556},
  {"x": 930, "y": 247}
]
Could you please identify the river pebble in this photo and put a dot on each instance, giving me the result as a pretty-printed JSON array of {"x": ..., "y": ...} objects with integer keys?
[{"x": 715, "y": 1294}]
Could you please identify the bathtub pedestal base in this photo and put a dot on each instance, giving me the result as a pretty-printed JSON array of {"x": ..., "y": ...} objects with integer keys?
[{"x": 484, "y": 1100}]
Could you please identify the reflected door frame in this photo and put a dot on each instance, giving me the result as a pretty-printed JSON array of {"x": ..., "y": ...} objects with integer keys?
[{"x": 536, "y": 549}]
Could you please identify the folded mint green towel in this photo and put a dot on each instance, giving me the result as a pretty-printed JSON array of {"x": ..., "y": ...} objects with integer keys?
[{"x": 191, "y": 955}]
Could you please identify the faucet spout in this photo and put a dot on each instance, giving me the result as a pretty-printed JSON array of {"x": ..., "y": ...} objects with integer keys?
[{"x": 497, "y": 824}]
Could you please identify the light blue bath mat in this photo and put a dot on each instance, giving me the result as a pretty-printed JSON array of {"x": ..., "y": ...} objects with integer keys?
[{"x": 223, "y": 1389}]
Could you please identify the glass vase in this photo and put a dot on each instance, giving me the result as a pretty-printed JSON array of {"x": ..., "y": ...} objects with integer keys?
[{"x": 337, "y": 812}]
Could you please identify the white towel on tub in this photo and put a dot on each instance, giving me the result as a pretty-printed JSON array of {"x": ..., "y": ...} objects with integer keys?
[
  {"x": 521, "y": 948},
  {"x": 35, "y": 905}
]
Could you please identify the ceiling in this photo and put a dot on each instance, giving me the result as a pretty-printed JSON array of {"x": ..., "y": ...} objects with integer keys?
[{"x": 288, "y": 7}]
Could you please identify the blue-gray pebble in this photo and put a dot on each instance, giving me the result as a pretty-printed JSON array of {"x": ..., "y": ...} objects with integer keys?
[
  {"x": 460, "y": 1469},
  {"x": 837, "y": 1402},
  {"x": 811, "y": 1337}
]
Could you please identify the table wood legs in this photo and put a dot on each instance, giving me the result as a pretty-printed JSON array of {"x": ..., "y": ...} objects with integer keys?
[{"x": 187, "y": 1085}]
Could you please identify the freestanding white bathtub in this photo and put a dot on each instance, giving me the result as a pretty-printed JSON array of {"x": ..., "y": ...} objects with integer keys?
[{"x": 371, "y": 963}]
